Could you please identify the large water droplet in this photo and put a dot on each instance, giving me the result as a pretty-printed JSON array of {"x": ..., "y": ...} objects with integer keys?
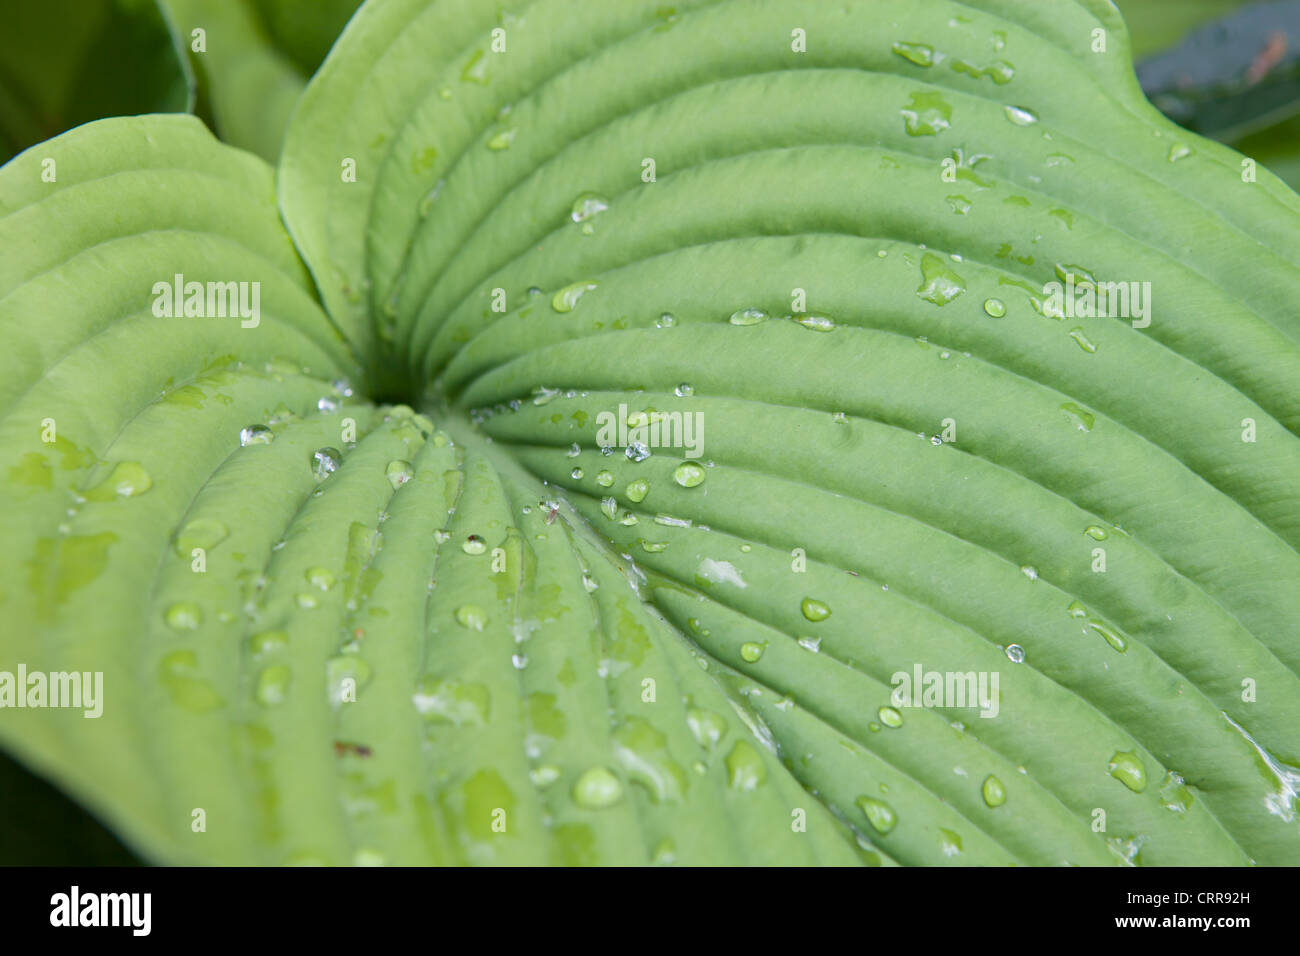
[
  {"x": 814, "y": 610},
  {"x": 127, "y": 479},
  {"x": 256, "y": 435},
  {"x": 399, "y": 472},
  {"x": 748, "y": 317},
  {"x": 745, "y": 770},
  {"x": 567, "y": 298},
  {"x": 922, "y": 54},
  {"x": 637, "y": 490},
  {"x": 939, "y": 284},
  {"x": 471, "y": 616},
  {"x": 183, "y": 616},
  {"x": 927, "y": 115},
  {"x": 879, "y": 814},
  {"x": 325, "y": 461},
  {"x": 1126, "y": 767},
  {"x": 689, "y": 474},
  {"x": 1021, "y": 116},
  {"x": 597, "y": 788}
]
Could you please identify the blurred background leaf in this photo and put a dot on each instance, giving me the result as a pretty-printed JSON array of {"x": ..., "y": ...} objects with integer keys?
[
  {"x": 66, "y": 62},
  {"x": 256, "y": 57},
  {"x": 1227, "y": 70}
]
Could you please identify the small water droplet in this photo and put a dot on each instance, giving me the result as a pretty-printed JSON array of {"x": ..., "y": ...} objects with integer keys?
[
  {"x": 666, "y": 321},
  {"x": 586, "y": 206},
  {"x": 184, "y": 616},
  {"x": 503, "y": 139},
  {"x": 1095, "y": 532},
  {"x": 474, "y": 544},
  {"x": 1021, "y": 116},
  {"x": 995, "y": 307},
  {"x": 818, "y": 323},
  {"x": 1015, "y": 653},
  {"x": 1080, "y": 415},
  {"x": 126, "y": 480},
  {"x": 399, "y": 472},
  {"x": 567, "y": 298},
  {"x": 745, "y": 770},
  {"x": 922, "y": 54},
  {"x": 813, "y": 644},
  {"x": 320, "y": 578},
  {"x": 637, "y": 451},
  {"x": 605, "y": 478},
  {"x": 1179, "y": 151},
  {"x": 1081, "y": 340},
  {"x": 751, "y": 651},
  {"x": 939, "y": 283},
  {"x": 272, "y": 685},
  {"x": 684, "y": 390},
  {"x": 255, "y": 435},
  {"x": 637, "y": 490},
  {"x": 993, "y": 792},
  {"x": 576, "y": 474},
  {"x": 1029, "y": 571},
  {"x": 890, "y": 717}
]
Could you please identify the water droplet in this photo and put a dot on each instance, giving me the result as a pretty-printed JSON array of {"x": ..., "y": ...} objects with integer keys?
[
  {"x": 325, "y": 404},
  {"x": 939, "y": 284},
  {"x": 473, "y": 544},
  {"x": 707, "y": 727},
  {"x": 127, "y": 479},
  {"x": 567, "y": 298},
  {"x": 927, "y": 115},
  {"x": 1015, "y": 654},
  {"x": 204, "y": 533},
  {"x": 637, "y": 490},
  {"x": 814, "y": 610},
  {"x": 471, "y": 616},
  {"x": 322, "y": 579},
  {"x": 666, "y": 321},
  {"x": 652, "y": 547},
  {"x": 503, "y": 139},
  {"x": 922, "y": 54},
  {"x": 463, "y": 704},
  {"x": 1174, "y": 794},
  {"x": 689, "y": 474},
  {"x": 684, "y": 390},
  {"x": 890, "y": 717},
  {"x": 272, "y": 685},
  {"x": 745, "y": 770},
  {"x": 1126, "y": 767},
  {"x": 1029, "y": 571},
  {"x": 1179, "y": 151},
  {"x": 1082, "y": 416},
  {"x": 879, "y": 814},
  {"x": 544, "y": 775},
  {"x": 399, "y": 472},
  {"x": 751, "y": 651},
  {"x": 605, "y": 478},
  {"x": 748, "y": 317},
  {"x": 586, "y": 206},
  {"x": 307, "y": 602},
  {"x": 576, "y": 474},
  {"x": 184, "y": 616},
  {"x": 325, "y": 461},
  {"x": 1082, "y": 340},
  {"x": 1021, "y": 116},
  {"x": 637, "y": 451},
  {"x": 597, "y": 789},
  {"x": 949, "y": 842},
  {"x": 256, "y": 435},
  {"x": 267, "y": 642},
  {"x": 994, "y": 793},
  {"x": 818, "y": 323},
  {"x": 1095, "y": 532},
  {"x": 995, "y": 307},
  {"x": 813, "y": 644}
]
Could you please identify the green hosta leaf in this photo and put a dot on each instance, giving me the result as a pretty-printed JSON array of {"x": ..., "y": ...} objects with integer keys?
[
  {"x": 900, "y": 459},
  {"x": 66, "y": 62}
]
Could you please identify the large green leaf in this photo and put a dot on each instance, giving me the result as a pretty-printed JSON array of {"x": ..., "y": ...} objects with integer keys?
[
  {"x": 566, "y": 655},
  {"x": 65, "y": 62}
]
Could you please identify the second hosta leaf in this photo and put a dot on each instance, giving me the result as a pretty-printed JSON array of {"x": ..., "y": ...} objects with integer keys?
[{"x": 820, "y": 238}]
